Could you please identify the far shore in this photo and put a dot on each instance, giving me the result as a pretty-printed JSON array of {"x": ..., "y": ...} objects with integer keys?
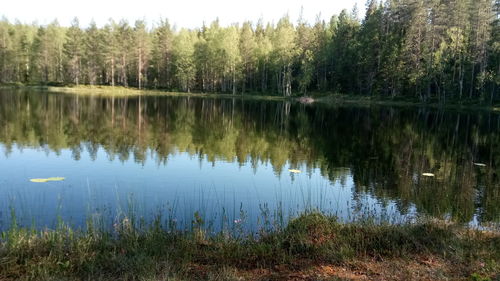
[{"x": 310, "y": 98}]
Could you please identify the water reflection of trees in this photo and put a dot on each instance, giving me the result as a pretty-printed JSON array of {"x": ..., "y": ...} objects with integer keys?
[{"x": 385, "y": 149}]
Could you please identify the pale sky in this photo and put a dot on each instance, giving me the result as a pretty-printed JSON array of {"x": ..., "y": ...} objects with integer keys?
[{"x": 182, "y": 13}]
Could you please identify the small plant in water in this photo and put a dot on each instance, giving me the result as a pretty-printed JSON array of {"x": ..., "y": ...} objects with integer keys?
[{"x": 199, "y": 231}]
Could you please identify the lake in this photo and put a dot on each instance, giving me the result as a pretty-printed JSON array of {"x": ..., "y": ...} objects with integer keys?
[{"x": 234, "y": 160}]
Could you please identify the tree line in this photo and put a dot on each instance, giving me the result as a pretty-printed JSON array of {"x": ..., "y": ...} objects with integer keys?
[{"x": 428, "y": 49}]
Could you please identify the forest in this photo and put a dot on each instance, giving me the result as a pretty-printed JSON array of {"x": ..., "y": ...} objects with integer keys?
[{"x": 437, "y": 50}]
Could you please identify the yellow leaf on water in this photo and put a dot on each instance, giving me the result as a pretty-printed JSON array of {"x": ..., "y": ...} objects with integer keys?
[
  {"x": 48, "y": 179},
  {"x": 428, "y": 174},
  {"x": 295, "y": 171},
  {"x": 38, "y": 180},
  {"x": 56, "y": 179}
]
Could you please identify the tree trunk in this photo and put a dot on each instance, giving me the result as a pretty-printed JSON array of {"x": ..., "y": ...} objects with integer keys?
[
  {"x": 471, "y": 90},
  {"x": 234, "y": 81},
  {"x": 461, "y": 81},
  {"x": 124, "y": 71},
  {"x": 113, "y": 71},
  {"x": 139, "y": 66}
]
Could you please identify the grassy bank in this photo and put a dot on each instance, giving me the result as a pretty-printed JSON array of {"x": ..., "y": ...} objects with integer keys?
[
  {"x": 311, "y": 247},
  {"x": 119, "y": 91},
  {"x": 324, "y": 98}
]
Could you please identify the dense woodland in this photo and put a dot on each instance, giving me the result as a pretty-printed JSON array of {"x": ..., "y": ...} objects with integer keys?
[{"x": 427, "y": 49}]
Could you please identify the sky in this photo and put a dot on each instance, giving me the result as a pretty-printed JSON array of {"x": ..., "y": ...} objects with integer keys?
[{"x": 182, "y": 13}]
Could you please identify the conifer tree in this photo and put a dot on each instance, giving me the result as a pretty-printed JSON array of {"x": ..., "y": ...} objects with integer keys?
[{"x": 73, "y": 49}]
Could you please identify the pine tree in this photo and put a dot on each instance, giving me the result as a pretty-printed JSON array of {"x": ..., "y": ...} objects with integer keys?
[
  {"x": 47, "y": 54},
  {"x": 248, "y": 52},
  {"x": 415, "y": 50},
  {"x": 370, "y": 46},
  {"x": 73, "y": 50},
  {"x": 123, "y": 36},
  {"x": 494, "y": 48},
  {"x": 305, "y": 60},
  {"x": 94, "y": 54},
  {"x": 481, "y": 17},
  {"x": 23, "y": 45},
  {"x": 142, "y": 51},
  {"x": 343, "y": 52},
  {"x": 162, "y": 55},
  {"x": 6, "y": 51},
  {"x": 111, "y": 52}
]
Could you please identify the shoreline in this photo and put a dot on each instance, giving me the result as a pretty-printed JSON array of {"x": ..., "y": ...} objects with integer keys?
[
  {"x": 312, "y": 98},
  {"x": 312, "y": 246}
]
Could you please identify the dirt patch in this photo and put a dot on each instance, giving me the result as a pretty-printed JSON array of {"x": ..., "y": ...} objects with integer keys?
[{"x": 420, "y": 268}]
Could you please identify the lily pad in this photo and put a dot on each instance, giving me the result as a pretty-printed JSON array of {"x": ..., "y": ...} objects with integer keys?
[
  {"x": 428, "y": 175},
  {"x": 295, "y": 171}
]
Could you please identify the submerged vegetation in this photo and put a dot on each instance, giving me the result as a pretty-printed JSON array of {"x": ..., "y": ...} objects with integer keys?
[
  {"x": 446, "y": 50},
  {"x": 159, "y": 251}
]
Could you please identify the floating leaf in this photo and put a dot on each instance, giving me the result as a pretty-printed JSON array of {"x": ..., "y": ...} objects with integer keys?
[
  {"x": 428, "y": 175},
  {"x": 56, "y": 179},
  {"x": 47, "y": 179},
  {"x": 295, "y": 171},
  {"x": 39, "y": 180},
  {"x": 480, "y": 164}
]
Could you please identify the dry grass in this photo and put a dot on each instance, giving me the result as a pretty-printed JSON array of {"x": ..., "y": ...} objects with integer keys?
[{"x": 311, "y": 247}]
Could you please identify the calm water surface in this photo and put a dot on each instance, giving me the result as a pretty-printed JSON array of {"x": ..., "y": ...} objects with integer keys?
[{"x": 230, "y": 159}]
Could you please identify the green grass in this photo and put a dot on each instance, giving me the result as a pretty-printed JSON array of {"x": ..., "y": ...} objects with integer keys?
[
  {"x": 119, "y": 91},
  {"x": 160, "y": 252}
]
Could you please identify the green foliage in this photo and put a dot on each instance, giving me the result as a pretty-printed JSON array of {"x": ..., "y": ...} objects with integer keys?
[
  {"x": 478, "y": 277},
  {"x": 73, "y": 49},
  {"x": 431, "y": 50},
  {"x": 183, "y": 54}
]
